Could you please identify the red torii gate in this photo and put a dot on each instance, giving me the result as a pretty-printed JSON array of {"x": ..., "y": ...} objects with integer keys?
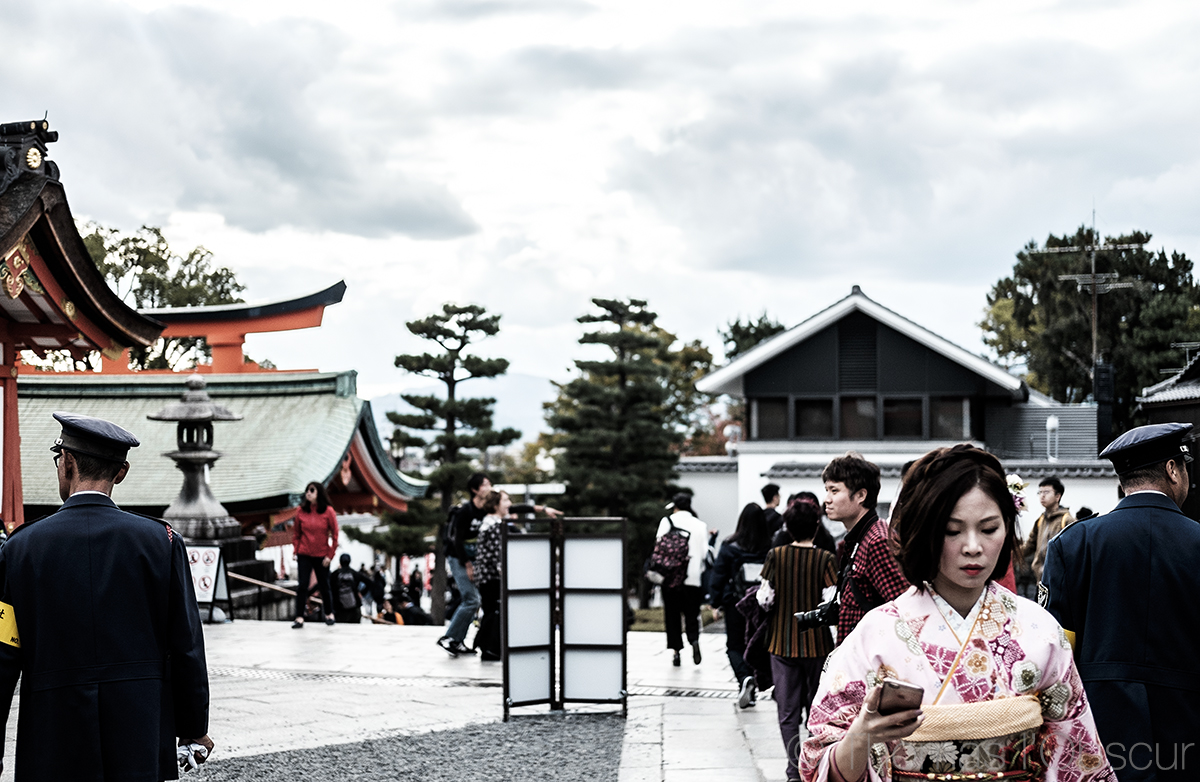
[
  {"x": 54, "y": 297},
  {"x": 225, "y": 326}
]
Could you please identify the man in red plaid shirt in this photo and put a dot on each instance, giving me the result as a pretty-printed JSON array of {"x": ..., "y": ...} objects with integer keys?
[{"x": 870, "y": 576}]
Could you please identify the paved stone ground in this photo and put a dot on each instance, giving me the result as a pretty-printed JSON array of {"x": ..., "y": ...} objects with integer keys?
[
  {"x": 550, "y": 747},
  {"x": 354, "y": 693}
]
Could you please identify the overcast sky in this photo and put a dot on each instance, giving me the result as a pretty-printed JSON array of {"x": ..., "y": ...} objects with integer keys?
[{"x": 716, "y": 159}]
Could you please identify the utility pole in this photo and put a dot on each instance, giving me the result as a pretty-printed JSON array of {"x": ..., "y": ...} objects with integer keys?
[
  {"x": 1103, "y": 391},
  {"x": 1093, "y": 282}
]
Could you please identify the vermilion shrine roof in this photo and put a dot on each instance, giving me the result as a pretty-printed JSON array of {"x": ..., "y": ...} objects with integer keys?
[{"x": 53, "y": 296}]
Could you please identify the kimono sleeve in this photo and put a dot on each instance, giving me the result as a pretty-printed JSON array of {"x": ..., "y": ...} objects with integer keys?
[
  {"x": 185, "y": 636},
  {"x": 1071, "y": 747},
  {"x": 849, "y": 675}
]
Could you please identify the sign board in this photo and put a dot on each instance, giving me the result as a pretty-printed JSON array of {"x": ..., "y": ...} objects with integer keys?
[{"x": 208, "y": 574}]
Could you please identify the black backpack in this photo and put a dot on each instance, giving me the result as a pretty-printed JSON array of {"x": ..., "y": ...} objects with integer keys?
[
  {"x": 747, "y": 574},
  {"x": 345, "y": 592}
]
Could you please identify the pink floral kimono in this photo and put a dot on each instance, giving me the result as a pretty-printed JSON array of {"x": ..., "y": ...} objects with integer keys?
[{"x": 1006, "y": 648}]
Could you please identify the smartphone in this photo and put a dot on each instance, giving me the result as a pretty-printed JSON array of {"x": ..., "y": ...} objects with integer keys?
[{"x": 899, "y": 696}]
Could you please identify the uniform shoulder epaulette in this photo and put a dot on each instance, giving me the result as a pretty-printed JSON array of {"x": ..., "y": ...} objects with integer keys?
[{"x": 170, "y": 529}]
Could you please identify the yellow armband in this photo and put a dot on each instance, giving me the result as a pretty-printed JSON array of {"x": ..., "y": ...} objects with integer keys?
[{"x": 8, "y": 626}]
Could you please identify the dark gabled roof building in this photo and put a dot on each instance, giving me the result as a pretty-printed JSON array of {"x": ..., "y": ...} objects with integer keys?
[
  {"x": 1176, "y": 399},
  {"x": 858, "y": 376}
]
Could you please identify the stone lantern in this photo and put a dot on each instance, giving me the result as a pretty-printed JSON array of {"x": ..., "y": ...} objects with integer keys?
[{"x": 195, "y": 512}]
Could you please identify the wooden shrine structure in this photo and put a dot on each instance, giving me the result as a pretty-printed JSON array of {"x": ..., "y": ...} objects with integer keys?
[
  {"x": 54, "y": 297},
  {"x": 311, "y": 425}
]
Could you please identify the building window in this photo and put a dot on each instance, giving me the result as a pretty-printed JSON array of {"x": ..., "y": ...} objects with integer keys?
[
  {"x": 902, "y": 418},
  {"x": 950, "y": 418},
  {"x": 770, "y": 419},
  {"x": 814, "y": 418},
  {"x": 858, "y": 418}
]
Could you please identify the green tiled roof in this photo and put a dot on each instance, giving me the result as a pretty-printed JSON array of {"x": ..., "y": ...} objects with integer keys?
[{"x": 296, "y": 427}]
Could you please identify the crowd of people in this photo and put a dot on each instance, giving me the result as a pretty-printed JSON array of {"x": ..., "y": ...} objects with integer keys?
[{"x": 908, "y": 648}]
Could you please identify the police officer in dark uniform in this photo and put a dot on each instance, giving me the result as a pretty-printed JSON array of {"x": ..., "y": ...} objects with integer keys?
[
  {"x": 1126, "y": 588},
  {"x": 99, "y": 618}
]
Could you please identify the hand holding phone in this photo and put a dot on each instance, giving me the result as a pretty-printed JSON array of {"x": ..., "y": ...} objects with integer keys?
[{"x": 899, "y": 696}]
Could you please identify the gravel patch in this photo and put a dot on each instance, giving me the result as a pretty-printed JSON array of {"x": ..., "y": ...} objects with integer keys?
[{"x": 560, "y": 747}]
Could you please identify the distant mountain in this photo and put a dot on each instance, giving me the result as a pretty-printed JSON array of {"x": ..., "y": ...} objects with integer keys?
[{"x": 519, "y": 401}]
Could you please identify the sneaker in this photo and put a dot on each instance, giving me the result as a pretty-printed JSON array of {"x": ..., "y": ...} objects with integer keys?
[
  {"x": 449, "y": 644},
  {"x": 696, "y": 652},
  {"x": 746, "y": 694},
  {"x": 462, "y": 648}
]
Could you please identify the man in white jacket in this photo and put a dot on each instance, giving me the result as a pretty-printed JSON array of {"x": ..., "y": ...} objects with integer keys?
[{"x": 685, "y": 599}]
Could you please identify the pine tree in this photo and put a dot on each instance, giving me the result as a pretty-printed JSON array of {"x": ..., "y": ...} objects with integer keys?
[
  {"x": 463, "y": 426},
  {"x": 614, "y": 426}
]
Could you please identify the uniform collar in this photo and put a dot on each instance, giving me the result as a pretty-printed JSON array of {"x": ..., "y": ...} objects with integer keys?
[
  {"x": 89, "y": 498},
  {"x": 1145, "y": 499}
]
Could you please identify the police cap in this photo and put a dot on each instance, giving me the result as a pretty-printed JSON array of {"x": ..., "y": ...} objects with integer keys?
[
  {"x": 94, "y": 437},
  {"x": 1147, "y": 445}
]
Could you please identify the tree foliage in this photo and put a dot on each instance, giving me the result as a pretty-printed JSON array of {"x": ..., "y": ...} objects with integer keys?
[
  {"x": 146, "y": 273},
  {"x": 617, "y": 435},
  {"x": 1033, "y": 317},
  {"x": 403, "y": 533},
  {"x": 740, "y": 337},
  {"x": 458, "y": 427},
  {"x": 688, "y": 411}
]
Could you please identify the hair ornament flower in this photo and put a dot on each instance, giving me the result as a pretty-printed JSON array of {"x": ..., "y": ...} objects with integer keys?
[{"x": 1016, "y": 487}]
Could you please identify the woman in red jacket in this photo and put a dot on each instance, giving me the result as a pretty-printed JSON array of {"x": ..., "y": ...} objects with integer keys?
[{"x": 315, "y": 537}]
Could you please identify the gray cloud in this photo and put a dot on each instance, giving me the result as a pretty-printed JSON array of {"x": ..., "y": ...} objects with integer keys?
[
  {"x": 897, "y": 168},
  {"x": 190, "y": 109},
  {"x": 469, "y": 10},
  {"x": 538, "y": 79}
]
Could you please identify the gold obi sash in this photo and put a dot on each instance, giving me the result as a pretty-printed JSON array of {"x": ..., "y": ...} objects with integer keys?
[{"x": 981, "y": 720}]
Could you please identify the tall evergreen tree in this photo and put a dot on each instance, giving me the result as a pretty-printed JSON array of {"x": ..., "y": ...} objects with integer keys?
[
  {"x": 463, "y": 426},
  {"x": 740, "y": 337},
  {"x": 147, "y": 273},
  {"x": 1035, "y": 318},
  {"x": 614, "y": 427}
]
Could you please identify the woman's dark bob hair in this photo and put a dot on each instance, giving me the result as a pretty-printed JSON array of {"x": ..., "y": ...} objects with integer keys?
[
  {"x": 802, "y": 518},
  {"x": 932, "y": 487}
]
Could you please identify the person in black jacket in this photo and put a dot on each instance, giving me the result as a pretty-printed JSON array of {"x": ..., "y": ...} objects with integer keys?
[
  {"x": 99, "y": 620},
  {"x": 1123, "y": 586},
  {"x": 462, "y": 533},
  {"x": 346, "y": 585},
  {"x": 735, "y": 571}
]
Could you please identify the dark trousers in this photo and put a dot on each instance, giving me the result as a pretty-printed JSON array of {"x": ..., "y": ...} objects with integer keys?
[
  {"x": 685, "y": 601},
  {"x": 487, "y": 640},
  {"x": 308, "y": 566},
  {"x": 735, "y": 641},
  {"x": 796, "y": 680},
  {"x": 351, "y": 616}
]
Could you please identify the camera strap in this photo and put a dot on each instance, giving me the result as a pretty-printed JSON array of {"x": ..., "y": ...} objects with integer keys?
[{"x": 846, "y": 579}]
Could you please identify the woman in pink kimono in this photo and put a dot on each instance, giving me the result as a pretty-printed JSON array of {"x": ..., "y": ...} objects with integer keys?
[{"x": 1002, "y": 699}]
